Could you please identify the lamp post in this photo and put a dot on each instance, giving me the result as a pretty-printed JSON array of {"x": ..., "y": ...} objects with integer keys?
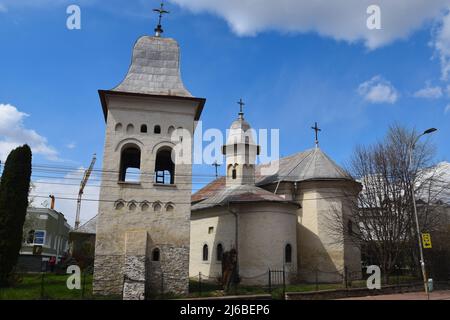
[{"x": 422, "y": 260}]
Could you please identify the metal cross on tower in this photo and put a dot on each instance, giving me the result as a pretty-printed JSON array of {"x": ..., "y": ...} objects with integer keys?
[
  {"x": 159, "y": 30},
  {"x": 317, "y": 130},
  {"x": 241, "y": 104},
  {"x": 215, "y": 164}
]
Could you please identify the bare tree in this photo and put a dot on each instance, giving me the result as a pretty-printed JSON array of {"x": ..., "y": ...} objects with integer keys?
[{"x": 380, "y": 220}]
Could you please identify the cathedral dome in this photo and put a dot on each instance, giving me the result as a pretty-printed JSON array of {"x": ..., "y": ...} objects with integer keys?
[{"x": 154, "y": 69}]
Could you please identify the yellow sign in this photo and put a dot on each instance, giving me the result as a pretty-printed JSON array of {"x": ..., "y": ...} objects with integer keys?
[{"x": 426, "y": 241}]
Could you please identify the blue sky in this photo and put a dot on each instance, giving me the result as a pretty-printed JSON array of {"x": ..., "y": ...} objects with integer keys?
[{"x": 353, "y": 85}]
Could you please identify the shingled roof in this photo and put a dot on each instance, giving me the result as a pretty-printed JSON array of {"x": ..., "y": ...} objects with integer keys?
[
  {"x": 155, "y": 69},
  {"x": 309, "y": 165},
  {"x": 239, "y": 194}
]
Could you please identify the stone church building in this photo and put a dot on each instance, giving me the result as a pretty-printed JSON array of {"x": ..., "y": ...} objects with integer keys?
[{"x": 152, "y": 233}]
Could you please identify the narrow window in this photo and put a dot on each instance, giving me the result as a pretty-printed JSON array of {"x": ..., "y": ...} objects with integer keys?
[
  {"x": 164, "y": 168},
  {"x": 119, "y": 127},
  {"x": 210, "y": 230},
  {"x": 234, "y": 176},
  {"x": 288, "y": 253},
  {"x": 155, "y": 255},
  {"x": 219, "y": 252},
  {"x": 157, "y": 130},
  {"x": 130, "y": 129},
  {"x": 144, "y": 128},
  {"x": 130, "y": 164},
  {"x": 205, "y": 252}
]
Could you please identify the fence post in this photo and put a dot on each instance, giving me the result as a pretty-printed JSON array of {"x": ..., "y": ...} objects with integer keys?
[
  {"x": 284, "y": 282},
  {"x": 42, "y": 285},
  {"x": 84, "y": 284},
  {"x": 317, "y": 278},
  {"x": 346, "y": 277},
  {"x": 270, "y": 281},
  {"x": 162, "y": 284},
  {"x": 199, "y": 284}
]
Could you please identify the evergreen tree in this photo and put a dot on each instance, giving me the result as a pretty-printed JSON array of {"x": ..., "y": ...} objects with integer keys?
[{"x": 14, "y": 188}]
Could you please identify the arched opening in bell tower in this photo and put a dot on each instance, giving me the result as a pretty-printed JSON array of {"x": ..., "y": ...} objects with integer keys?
[
  {"x": 164, "y": 167},
  {"x": 130, "y": 164}
]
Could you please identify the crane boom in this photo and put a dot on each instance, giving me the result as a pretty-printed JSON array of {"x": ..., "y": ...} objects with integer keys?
[{"x": 83, "y": 183}]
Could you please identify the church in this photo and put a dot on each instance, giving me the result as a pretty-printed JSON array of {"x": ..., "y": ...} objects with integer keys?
[{"x": 152, "y": 234}]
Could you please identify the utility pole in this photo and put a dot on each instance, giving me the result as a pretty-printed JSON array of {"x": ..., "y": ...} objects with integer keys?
[
  {"x": 416, "y": 217},
  {"x": 83, "y": 183}
]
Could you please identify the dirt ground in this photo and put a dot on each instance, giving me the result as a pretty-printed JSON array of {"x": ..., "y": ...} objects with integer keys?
[{"x": 436, "y": 295}]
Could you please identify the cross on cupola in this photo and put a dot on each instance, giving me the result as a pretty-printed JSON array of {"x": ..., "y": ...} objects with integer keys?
[
  {"x": 159, "y": 30},
  {"x": 317, "y": 130},
  {"x": 241, "y": 105}
]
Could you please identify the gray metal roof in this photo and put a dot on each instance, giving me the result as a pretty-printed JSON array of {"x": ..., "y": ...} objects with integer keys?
[
  {"x": 155, "y": 68},
  {"x": 89, "y": 227},
  {"x": 311, "y": 164},
  {"x": 239, "y": 194}
]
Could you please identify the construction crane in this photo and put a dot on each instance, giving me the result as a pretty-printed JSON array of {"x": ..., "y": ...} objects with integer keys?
[{"x": 83, "y": 183}]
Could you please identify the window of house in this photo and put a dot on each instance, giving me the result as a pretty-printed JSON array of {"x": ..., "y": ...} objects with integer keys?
[
  {"x": 130, "y": 164},
  {"x": 39, "y": 237},
  {"x": 164, "y": 167},
  {"x": 157, "y": 130},
  {"x": 144, "y": 128},
  {"x": 155, "y": 255},
  {"x": 288, "y": 253},
  {"x": 205, "y": 252},
  {"x": 219, "y": 252}
]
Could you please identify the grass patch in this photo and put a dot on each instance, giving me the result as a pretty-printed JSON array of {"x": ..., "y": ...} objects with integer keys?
[{"x": 49, "y": 287}]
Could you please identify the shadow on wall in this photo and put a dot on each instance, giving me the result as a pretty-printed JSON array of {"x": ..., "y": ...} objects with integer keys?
[{"x": 314, "y": 262}]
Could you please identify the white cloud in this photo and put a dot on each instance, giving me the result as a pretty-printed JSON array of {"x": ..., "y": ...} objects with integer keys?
[
  {"x": 447, "y": 109},
  {"x": 429, "y": 92},
  {"x": 68, "y": 187},
  {"x": 441, "y": 44},
  {"x": 339, "y": 19},
  {"x": 71, "y": 145},
  {"x": 378, "y": 90},
  {"x": 13, "y": 134}
]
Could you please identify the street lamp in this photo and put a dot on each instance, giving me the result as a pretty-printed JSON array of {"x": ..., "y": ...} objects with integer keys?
[{"x": 422, "y": 260}]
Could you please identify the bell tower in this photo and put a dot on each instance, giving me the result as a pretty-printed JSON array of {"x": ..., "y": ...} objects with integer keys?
[
  {"x": 240, "y": 152},
  {"x": 142, "y": 244}
]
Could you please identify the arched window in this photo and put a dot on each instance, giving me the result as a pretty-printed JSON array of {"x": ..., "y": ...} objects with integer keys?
[
  {"x": 130, "y": 164},
  {"x": 164, "y": 168},
  {"x": 156, "y": 254},
  {"x": 288, "y": 253},
  {"x": 205, "y": 252},
  {"x": 144, "y": 128},
  {"x": 170, "y": 207},
  {"x": 219, "y": 252},
  {"x": 157, "y": 130},
  {"x": 145, "y": 206},
  {"x": 130, "y": 129},
  {"x": 171, "y": 130},
  {"x": 119, "y": 127},
  {"x": 157, "y": 207},
  {"x": 234, "y": 174}
]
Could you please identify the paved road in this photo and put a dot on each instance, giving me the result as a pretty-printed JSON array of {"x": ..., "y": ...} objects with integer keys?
[{"x": 437, "y": 295}]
